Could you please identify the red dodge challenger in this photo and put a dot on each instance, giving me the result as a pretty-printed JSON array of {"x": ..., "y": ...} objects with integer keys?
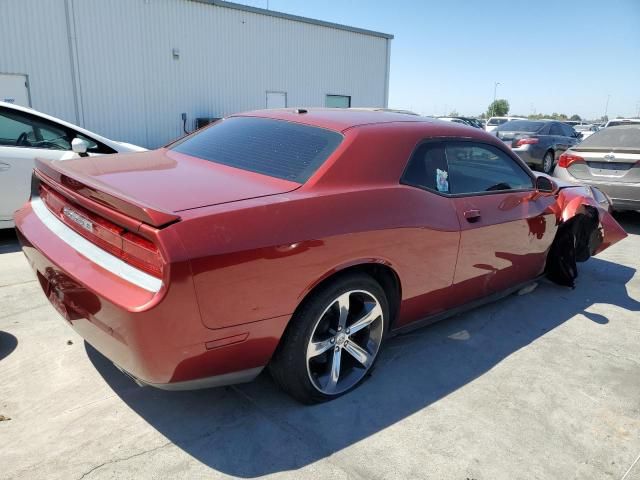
[{"x": 295, "y": 239}]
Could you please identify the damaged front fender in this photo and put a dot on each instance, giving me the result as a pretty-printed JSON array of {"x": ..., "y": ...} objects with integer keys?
[{"x": 585, "y": 228}]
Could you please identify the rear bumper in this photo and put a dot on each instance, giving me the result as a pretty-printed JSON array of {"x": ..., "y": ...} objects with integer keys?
[
  {"x": 156, "y": 337},
  {"x": 624, "y": 196},
  {"x": 529, "y": 155}
]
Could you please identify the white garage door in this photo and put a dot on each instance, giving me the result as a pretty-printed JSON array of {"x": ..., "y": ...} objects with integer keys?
[
  {"x": 276, "y": 99},
  {"x": 14, "y": 89}
]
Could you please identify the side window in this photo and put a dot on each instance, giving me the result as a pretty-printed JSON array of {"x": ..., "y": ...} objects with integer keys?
[
  {"x": 427, "y": 168},
  {"x": 12, "y": 130},
  {"x": 24, "y": 130},
  {"x": 568, "y": 131},
  {"x": 555, "y": 130},
  {"x": 476, "y": 168},
  {"x": 51, "y": 137}
]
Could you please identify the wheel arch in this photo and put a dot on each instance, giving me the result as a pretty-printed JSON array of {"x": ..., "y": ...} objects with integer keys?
[{"x": 381, "y": 271}]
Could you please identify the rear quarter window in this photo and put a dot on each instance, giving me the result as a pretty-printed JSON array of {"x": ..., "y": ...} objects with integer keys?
[{"x": 276, "y": 148}]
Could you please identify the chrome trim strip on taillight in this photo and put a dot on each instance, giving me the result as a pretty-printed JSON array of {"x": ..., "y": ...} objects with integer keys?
[{"x": 94, "y": 253}]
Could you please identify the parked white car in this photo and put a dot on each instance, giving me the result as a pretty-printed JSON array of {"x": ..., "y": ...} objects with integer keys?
[
  {"x": 495, "y": 122},
  {"x": 586, "y": 130},
  {"x": 26, "y": 134}
]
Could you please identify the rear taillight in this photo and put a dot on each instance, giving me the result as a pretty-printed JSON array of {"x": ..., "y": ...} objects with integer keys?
[
  {"x": 128, "y": 246},
  {"x": 568, "y": 159},
  {"x": 526, "y": 141}
]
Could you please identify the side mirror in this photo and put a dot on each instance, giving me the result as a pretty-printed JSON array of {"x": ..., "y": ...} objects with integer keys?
[
  {"x": 79, "y": 146},
  {"x": 579, "y": 135},
  {"x": 544, "y": 184}
]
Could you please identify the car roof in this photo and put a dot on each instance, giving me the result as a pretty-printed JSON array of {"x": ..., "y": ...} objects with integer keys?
[{"x": 338, "y": 119}]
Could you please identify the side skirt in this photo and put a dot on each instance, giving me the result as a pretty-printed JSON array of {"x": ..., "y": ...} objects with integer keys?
[{"x": 463, "y": 308}]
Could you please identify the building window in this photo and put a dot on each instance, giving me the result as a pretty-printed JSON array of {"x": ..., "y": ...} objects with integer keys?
[{"x": 338, "y": 101}]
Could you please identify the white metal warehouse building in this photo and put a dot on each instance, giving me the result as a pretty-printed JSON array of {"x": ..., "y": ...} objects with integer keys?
[{"x": 128, "y": 69}]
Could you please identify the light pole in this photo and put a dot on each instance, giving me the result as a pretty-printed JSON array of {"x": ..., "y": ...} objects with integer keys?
[
  {"x": 493, "y": 105},
  {"x": 606, "y": 107}
]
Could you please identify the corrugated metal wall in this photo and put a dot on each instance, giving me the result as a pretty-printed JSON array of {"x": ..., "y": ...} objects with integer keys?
[{"x": 130, "y": 87}]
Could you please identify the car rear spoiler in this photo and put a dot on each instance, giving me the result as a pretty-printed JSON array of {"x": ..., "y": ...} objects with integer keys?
[{"x": 69, "y": 182}]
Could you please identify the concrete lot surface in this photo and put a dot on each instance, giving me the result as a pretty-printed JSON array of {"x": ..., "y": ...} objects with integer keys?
[{"x": 540, "y": 386}]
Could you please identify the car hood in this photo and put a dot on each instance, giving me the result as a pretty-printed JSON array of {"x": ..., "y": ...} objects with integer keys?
[{"x": 171, "y": 181}]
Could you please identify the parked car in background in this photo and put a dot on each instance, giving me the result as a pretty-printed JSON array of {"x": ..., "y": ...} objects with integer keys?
[
  {"x": 538, "y": 142},
  {"x": 586, "y": 130},
  {"x": 621, "y": 121},
  {"x": 26, "y": 134},
  {"x": 610, "y": 160},
  {"x": 495, "y": 122},
  {"x": 472, "y": 122},
  {"x": 454, "y": 120},
  {"x": 572, "y": 123},
  {"x": 294, "y": 239}
]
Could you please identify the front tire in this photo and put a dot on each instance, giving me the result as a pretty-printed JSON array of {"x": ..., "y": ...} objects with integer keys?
[{"x": 333, "y": 339}]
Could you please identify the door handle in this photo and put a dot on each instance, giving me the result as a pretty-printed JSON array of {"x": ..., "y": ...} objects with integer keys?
[
  {"x": 472, "y": 215},
  {"x": 4, "y": 166}
]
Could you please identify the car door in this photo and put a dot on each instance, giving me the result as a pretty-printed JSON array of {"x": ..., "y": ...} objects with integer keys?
[
  {"x": 506, "y": 225},
  {"x": 24, "y": 137},
  {"x": 560, "y": 140},
  {"x": 570, "y": 135}
]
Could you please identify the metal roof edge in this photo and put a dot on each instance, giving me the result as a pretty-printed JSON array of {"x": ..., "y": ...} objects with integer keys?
[{"x": 296, "y": 18}]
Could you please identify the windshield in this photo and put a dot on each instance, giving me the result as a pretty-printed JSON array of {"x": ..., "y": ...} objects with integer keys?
[
  {"x": 496, "y": 121},
  {"x": 521, "y": 126},
  {"x": 276, "y": 148}
]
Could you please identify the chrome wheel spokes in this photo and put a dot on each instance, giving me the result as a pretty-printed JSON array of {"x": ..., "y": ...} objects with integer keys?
[{"x": 345, "y": 341}]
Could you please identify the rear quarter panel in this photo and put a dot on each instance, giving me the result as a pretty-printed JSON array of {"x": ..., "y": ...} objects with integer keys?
[{"x": 258, "y": 258}]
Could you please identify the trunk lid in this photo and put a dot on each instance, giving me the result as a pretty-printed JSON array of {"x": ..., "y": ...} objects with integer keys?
[
  {"x": 606, "y": 166},
  {"x": 511, "y": 138},
  {"x": 163, "y": 181}
]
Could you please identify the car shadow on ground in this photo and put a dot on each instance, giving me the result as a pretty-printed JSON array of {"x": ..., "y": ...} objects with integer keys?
[
  {"x": 254, "y": 429},
  {"x": 8, "y": 344},
  {"x": 9, "y": 241},
  {"x": 630, "y": 221}
]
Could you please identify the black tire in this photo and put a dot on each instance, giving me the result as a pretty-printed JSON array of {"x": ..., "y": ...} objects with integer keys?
[
  {"x": 289, "y": 365},
  {"x": 548, "y": 162}
]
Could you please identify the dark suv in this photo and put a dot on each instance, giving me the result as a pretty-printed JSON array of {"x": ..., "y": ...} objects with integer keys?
[{"x": 539, "y": 143}]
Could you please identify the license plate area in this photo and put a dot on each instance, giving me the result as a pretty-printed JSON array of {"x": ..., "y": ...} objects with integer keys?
[{"x": 609, "y": 169}]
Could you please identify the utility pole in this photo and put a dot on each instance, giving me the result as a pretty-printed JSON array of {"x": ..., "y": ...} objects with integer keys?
[{"x": 493, "y": 105}]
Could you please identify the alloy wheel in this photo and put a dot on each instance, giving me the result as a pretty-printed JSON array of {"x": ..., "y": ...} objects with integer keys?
[{"x": 345, "y": 342}]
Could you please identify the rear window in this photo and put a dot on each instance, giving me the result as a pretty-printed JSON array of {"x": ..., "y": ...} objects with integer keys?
[
  {"x": 521, "y": 126},
  {"x": 616, "y": 123},
  {"x": 496, "y": 121},
  {"x": 276, "y": 148},
  {"x": 626, "y": 137}
]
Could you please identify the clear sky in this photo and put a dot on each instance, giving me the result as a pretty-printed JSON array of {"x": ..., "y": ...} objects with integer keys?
[{"x": 562, "y": 56}]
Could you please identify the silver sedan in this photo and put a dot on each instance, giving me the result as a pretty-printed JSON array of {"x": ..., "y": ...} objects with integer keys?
[{"x": 609, "y": 160}]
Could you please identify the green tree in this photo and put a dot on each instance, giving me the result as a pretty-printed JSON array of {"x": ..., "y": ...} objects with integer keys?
[
  {"x": 576, "y": 118},
  {"x": 498, "y": 108}
]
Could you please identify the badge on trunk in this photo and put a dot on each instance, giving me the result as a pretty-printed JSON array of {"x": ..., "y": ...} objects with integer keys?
[{"x": 78, "y": 219}]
